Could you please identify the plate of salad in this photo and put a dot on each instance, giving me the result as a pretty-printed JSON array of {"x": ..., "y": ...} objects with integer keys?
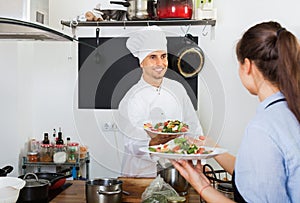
[
  {"x": 171, "y": 127},
  {"x": 180, "y": 148}
]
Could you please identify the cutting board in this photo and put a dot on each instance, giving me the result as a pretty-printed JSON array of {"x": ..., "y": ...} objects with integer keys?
[{"x": 136, "y": 187}]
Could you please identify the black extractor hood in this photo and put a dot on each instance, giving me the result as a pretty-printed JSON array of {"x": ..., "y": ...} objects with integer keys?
[{"x": 13, "y": 29}]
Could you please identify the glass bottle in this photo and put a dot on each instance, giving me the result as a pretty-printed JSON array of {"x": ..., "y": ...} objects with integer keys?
[
  {"x": 46, "y": 139},
  {"x": 59, "y": 140}
]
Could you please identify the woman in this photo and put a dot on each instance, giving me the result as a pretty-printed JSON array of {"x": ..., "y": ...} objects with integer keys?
[{"x": 267, "y": 166}]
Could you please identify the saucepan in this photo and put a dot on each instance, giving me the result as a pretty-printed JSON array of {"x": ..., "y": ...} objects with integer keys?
[
  {"x": 35, "y": 190},
  {"x": 104, "y": 190},
  {"x": 172, "y": 176}
]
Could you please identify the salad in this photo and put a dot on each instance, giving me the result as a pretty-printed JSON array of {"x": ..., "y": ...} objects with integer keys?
[
  {"x": 169, "y": 126},
  {"x": 179, "y": 146}
]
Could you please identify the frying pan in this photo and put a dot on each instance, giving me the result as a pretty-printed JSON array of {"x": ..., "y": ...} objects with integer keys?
[
  {"x": 189, "y": 58},
  {"x": 6, "y": 170},
  {"x": 56, "y": 179}
]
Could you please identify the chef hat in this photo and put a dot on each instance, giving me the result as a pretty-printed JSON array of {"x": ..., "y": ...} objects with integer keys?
[{"x": 145, "y": 41}]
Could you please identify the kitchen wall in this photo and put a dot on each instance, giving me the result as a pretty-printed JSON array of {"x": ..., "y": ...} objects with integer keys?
[{"x": 39, "y": 81}]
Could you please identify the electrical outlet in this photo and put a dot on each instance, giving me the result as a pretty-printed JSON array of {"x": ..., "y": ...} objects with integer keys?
[
  {"x": 107, "y": 126},
  {"x": 114, "y": 127}
]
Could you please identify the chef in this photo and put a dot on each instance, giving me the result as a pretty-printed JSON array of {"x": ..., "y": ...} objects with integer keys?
[{"x": 153, "y": 99}]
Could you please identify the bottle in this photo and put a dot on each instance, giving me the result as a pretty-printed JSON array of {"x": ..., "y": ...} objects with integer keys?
[
  {"x": 53, "y": 141},
  {"x": 59, "y": 140},
  {"x": 46, "y": 139},
  {"x": 68, "y": 141}
]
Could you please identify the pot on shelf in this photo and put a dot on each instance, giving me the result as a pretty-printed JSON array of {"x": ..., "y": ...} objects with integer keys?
[
  {"x": 174, "y": 9},
  {"x": 138, "y": 9},
  {"x": 105, "y": 190},
  {"x": 35, "y": 190}
]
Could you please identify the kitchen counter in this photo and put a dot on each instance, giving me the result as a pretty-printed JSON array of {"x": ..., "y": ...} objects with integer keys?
[{"x": 135, "y": 186}]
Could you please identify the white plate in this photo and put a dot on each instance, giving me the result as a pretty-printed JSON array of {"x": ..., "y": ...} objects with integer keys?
[
  {"x": 157, "y": 132},
  {"x": 216, "y": 151}
]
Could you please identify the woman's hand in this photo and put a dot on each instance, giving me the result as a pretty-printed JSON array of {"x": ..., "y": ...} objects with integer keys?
[{"x": 193, "y": 174}]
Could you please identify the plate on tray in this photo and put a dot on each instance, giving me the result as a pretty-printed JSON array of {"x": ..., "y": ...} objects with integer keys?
[{"x": 213, "y": 151}]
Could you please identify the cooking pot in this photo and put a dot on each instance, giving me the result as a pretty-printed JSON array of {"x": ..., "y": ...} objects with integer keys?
[
  {"x": 173, "y": 178},
  {"x": 174, "y": 9},
  {"x": 56, "y": 179},
  {"x": 105, "y": 190},
  {"x": 138, "y": 9},
  {"x": 5, "y": 170},
  {"x": 189, "y": 58},
  {"x": 35, "y": 190}
]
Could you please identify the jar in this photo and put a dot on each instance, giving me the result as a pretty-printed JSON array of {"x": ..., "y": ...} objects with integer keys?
[
  {"x": 73, "y": 151},
  {"x": 32, "y": 156},
  {"x": 46, "y": 153},
  {"x": 59, "y": 154},
  {"x": 82, "y": 151}
]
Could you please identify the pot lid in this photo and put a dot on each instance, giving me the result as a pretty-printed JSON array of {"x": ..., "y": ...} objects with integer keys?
[
  {"x": 36, "y": 183},
  {"x": 23, "y": 30}
]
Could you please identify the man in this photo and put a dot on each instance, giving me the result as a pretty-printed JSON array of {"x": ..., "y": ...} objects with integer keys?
[{"x": 153, "y": 99}]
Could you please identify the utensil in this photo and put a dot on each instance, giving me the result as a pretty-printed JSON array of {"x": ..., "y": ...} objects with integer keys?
[
  {"x": 10, "y": 188},
  {"x": 173, "y": 178},
  {"x": 35, "y": 190},
  {"x": 174, "y": 9},
  {"x": 105, "y": 190},
  {"x": 6, "y": 170},
  {"x": 137, "y": 9},
  {"x": 189, "y": 58},
  {"x": 56, "y": 179}
]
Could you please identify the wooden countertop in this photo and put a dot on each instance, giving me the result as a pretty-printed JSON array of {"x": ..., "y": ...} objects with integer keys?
[{"x": 135, "y": 186}]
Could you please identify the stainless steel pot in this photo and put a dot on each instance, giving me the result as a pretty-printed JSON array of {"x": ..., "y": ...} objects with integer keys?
[
  {"x": 35, "y": 190},
  {"x": 138, "y": 9},
  {"x": 105, "y": 190},
  {"x": 173, "y": 178}
]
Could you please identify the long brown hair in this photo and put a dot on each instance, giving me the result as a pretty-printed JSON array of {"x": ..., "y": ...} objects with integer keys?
[{"x": 276, "y": 53}]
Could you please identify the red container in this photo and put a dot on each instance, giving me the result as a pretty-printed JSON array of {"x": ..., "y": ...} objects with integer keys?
[{"x": 174, "y": 9}]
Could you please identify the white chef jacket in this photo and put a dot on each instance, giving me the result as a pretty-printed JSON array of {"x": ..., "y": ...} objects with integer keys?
[{"x": 146, "y": 103}]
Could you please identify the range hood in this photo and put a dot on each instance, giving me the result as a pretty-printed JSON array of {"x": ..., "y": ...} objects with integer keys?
[{"x": 13, "y": 29}]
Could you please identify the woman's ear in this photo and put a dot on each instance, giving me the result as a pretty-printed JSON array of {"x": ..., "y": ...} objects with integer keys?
[{"x": 247, "y": 66}]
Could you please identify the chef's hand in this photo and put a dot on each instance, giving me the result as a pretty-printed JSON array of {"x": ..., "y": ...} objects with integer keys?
[
  {"x": 193, "y": 174},
  {"x": 157, "y": 139},
  {"x": 201, "y": 141}
]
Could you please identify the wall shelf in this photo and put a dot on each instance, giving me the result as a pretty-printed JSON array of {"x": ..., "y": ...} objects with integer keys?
[{"x": 75, "y": 24}]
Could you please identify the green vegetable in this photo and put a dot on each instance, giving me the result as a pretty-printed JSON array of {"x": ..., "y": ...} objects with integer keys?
[
  {"x": 156, "y": 198},
  {"x": 152, "y": 149},
  {"x": 192, "y": 149}
]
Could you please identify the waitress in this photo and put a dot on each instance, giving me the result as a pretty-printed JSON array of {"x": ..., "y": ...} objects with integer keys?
[
  {"x": 153, "y": 99},
  {"x": 267, "y": 167}
]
